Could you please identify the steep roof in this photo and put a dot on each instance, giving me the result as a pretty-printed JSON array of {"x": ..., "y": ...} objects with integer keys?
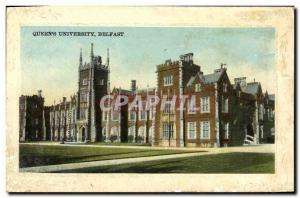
[
  {"x": 272, "y": 97},
  {"x": 212, "y": 78},
  {"x": 207, "y": 79},
  {"x": 191, "y": 81},
  {"x": 251, "y": 88}
]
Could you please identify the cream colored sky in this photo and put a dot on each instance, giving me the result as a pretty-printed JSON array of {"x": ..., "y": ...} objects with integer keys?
[{"x": 50, "y": 63}]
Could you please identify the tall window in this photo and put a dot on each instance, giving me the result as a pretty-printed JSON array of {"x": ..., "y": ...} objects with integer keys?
[
  {"x": 115, "y": 115},
  {"x": 168, "y": 130},
  {"x": 83, "y": 97},
  {"x": 84, "y": 81},
  {"x": 131, "y": 131},
  {"x": 198, "y": 87},
  {"x": 105, "y": 115},
  {"x": 82, "y": 114},
  {"x": 205, "y": 130},
  {"x": 192, "y": 107},
  {"x": 225, "y": 105},
  {"x": 224, "y": 87},
  {"x": 205, "y": 105},
  {"x": 226, "y": 130},
  {"x": 101, "y": 82},
  {"x": 152, "y": 113},
  {"x": 168, "y": 108},
  {"x": 132, "y": 114},
  {"x": 261, "y": 111},
  {"x": 74, "y": 115},
  {"x": 192, "y": 128},
  {"x": 143, "y": 112},
  {"x": 168, "y": 80}
]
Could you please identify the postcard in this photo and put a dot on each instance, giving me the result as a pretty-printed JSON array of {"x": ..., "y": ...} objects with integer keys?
[{"x": 150, "y": 99}]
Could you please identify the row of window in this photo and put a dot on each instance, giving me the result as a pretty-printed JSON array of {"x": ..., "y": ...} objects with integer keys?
[
  {"x": 132, "y": 115},
  {"x": 168, "y": 81},
  {"x": 99, "y": 81},
  {"x": 204, "y": 130}
]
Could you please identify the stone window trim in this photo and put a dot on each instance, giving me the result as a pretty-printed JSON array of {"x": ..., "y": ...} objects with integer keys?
[
  {"x": 205, "y": 130},
  {"x": 166, "y": 131},
  {"x": 168, "y": 80},
  {"x": 205, "y": 105},
  {"x": 192, "y": 130},
  {"x": 131, "y": 114}
]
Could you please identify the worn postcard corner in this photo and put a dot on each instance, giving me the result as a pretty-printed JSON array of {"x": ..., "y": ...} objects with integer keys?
[{"x": 179, "y": 99}]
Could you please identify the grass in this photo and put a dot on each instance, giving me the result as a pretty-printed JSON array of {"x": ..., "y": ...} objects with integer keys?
[
  {"x": 215, "y": 163},
  {"x": 39, "y": 155}
]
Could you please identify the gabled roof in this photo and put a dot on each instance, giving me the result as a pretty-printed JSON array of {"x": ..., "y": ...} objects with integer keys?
[
  {"x": 251, "y": 88},
  {"x": 212, "y": 78},
  {"x": 207, "y": 79},
  {"x": 272, "y": 97}
]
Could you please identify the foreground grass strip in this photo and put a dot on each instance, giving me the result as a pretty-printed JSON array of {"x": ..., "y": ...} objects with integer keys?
[
  {"x": 215, "y": 163},
  {"x": 40, "y": 155}
]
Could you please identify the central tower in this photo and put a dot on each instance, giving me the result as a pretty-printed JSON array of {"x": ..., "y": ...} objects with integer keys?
[{"x": 93, "y": 84}]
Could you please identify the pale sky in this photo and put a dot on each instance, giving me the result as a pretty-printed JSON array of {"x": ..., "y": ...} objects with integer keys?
[{"x": 51, "y": 63}]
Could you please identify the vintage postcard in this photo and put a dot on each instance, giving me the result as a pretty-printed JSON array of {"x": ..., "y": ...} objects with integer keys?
[{"x": 150, "y": 99}]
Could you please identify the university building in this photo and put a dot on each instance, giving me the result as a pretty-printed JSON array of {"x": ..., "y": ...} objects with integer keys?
[{"x": 214, "y": 112}]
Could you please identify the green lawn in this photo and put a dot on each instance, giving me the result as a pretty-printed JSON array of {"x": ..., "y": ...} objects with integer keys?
[
  {"x": 38, "y": 155},
  {"x": 217, "y": 163}
]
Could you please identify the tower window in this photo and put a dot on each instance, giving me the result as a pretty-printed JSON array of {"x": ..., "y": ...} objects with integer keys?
[
  {"x": 168, "y": 80},
  {"x": 84, "y": 81},
  {"x": 101, "y": 82}
]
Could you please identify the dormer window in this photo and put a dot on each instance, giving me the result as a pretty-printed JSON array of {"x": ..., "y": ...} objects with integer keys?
[
  {"x": 197, "y": 87},
  {"x": 168, "y": 80}
]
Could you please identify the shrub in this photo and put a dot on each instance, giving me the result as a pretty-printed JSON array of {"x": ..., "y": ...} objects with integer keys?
[
  {"x": 140, "y": 139},
  {"x": 113, "y": 138},
  {"x": 130, "y": 139}
]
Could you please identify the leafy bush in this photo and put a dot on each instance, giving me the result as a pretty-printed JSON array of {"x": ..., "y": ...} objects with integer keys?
[
  {"x": 113, "y": 138},
  {"x": 140, "y": 139},
  {"x": 130, "y": 139}
]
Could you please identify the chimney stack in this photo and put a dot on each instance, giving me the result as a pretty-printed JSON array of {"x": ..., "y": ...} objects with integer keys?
[{"x": 133, "y": 85}]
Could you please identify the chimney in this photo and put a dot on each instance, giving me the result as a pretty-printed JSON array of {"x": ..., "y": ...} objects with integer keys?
[
  {"x": 241, "y": 81},
  {"x": 40, "y": 93},
  {"x": 133, "y": 85},
  {"x": 187, "y": 58}
]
